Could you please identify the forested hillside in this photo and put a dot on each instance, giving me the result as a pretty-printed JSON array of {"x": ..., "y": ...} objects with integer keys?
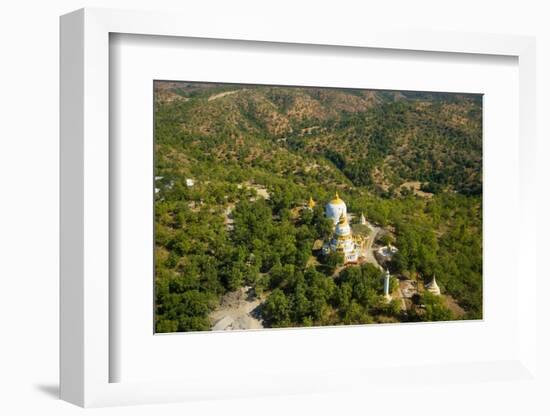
[{"x": 410, "y": 161}]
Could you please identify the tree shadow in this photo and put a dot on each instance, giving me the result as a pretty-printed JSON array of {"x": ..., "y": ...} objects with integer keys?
[{"x": 257, "y": 312}]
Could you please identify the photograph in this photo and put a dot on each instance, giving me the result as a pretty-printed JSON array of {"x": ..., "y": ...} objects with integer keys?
[{"x": 295, "y": 206}]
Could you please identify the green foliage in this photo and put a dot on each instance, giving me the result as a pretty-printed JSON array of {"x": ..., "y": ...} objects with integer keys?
[
  {"x": 387, "y": 239},
  {"x": 333, "y": 260},
  {"x": 393, "y": 308},
  {"x": 434, "y": 309},
  {"x": 276, "y": 309},
  {"x": 455, "y": 257}
]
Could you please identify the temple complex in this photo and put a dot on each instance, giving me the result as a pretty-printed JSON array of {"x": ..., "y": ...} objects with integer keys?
[{"x": 342, "y": 239}]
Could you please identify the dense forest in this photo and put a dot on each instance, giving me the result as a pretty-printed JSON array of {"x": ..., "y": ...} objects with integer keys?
[{"x": 255, "y": 154}]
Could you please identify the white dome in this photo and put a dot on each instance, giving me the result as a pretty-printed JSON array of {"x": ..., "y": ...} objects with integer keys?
[
  {"x": 335, "y": 209},
  {"x": 342, "y": 229}
]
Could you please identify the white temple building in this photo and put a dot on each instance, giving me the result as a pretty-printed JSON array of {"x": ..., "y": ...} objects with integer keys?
[
  {"x": 342, "y": 239},
  {"x": 387, "y": 252}
]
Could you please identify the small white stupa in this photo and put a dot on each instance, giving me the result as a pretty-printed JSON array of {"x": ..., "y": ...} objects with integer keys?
[
  {"x": 363, "y": 220},
  {"x": 432, "y": 287}
]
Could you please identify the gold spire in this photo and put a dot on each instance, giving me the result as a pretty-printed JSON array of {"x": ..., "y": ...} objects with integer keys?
[{"x": 311, "y": 203}]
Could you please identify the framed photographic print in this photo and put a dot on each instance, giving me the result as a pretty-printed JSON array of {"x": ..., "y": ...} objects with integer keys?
[
  {"x": 321, "y": 214},
  {"x": 280, "y": 206}
]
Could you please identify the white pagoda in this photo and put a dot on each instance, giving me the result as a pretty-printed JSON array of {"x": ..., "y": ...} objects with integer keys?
[
  {"x": 432, "y": 287},
  {"x": 342, "y": 239}
]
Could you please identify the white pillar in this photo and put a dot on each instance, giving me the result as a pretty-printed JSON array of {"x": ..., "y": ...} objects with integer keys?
[{"x": 387, "y": 286}]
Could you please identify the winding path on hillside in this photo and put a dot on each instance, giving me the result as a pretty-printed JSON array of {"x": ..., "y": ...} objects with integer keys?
[
  {"x": 369, "y": 251},
  {"x": 223, "y": 94}
]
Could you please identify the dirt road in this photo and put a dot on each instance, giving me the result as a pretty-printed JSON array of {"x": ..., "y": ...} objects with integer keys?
[{"x": 369, "y": 251}]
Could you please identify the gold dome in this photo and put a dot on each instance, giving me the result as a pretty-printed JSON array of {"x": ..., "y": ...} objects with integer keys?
[{"x": 336, "y": 200}]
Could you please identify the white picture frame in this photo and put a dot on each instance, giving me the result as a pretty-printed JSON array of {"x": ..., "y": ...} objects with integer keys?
[{"x": 86, "y": 356}]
